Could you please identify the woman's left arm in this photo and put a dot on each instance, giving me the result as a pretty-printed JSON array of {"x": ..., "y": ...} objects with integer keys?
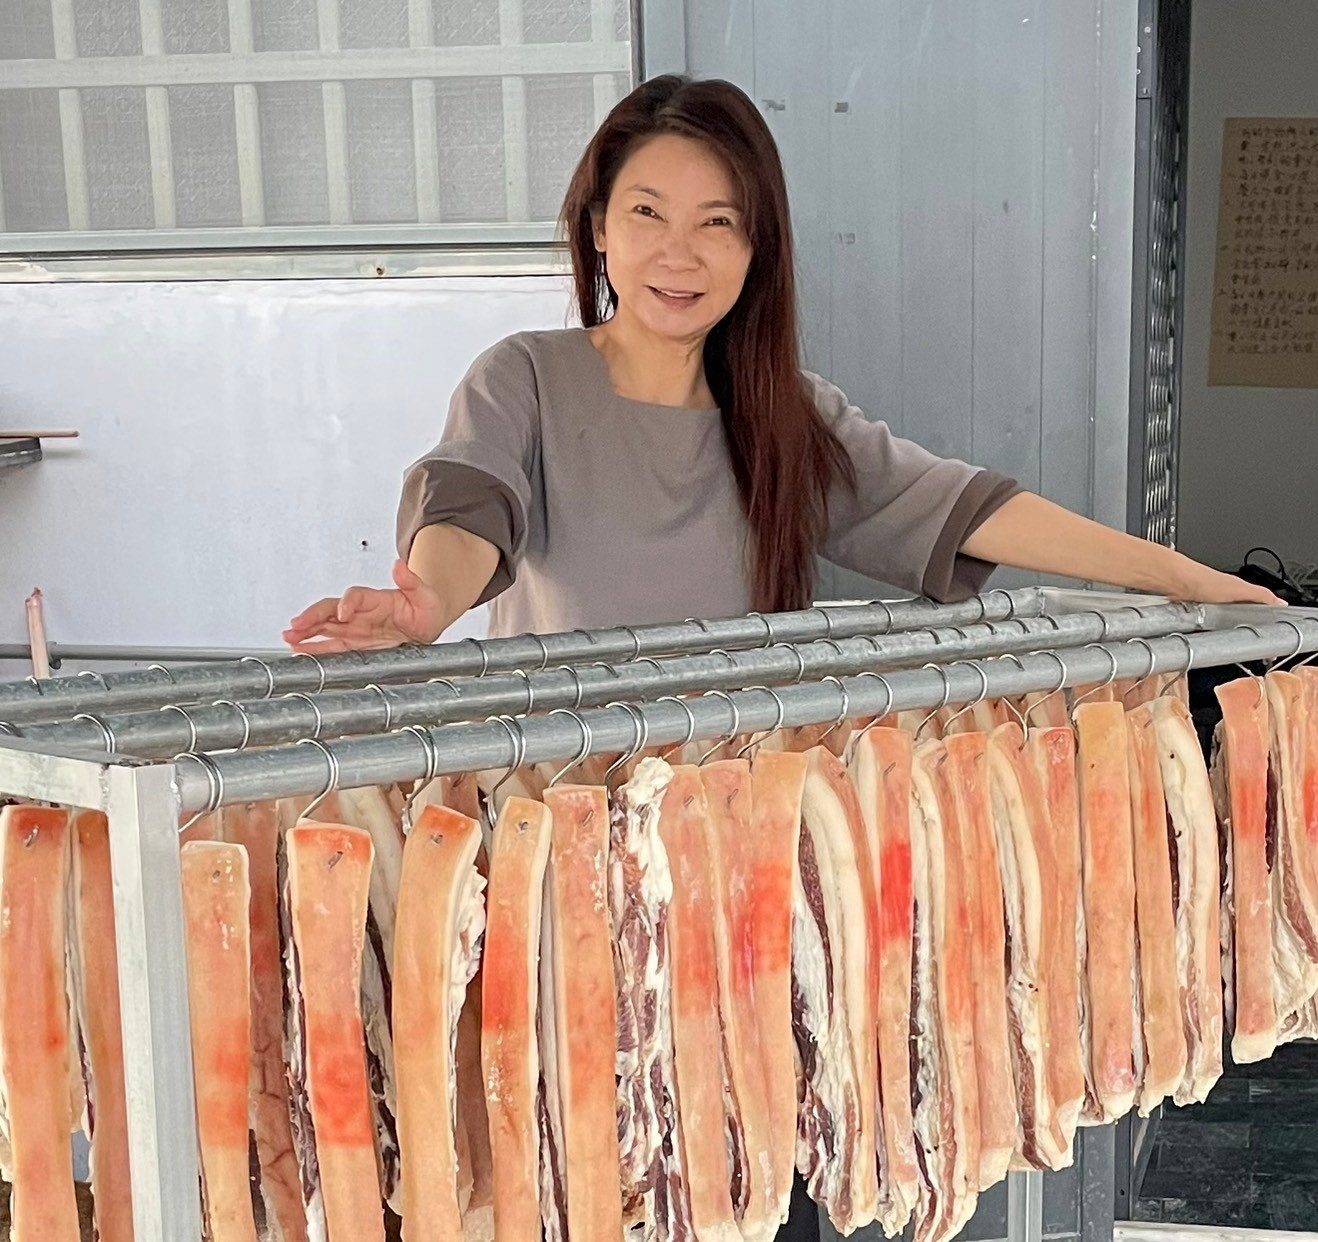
[{"x": 1030, "y": 533}]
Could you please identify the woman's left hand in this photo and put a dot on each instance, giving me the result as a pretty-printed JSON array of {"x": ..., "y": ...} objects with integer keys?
[{"x": 1210, "y": 586}]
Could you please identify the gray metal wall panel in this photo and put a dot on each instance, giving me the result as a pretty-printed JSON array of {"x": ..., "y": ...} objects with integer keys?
[
  {"x": 998, "y": 336},
  {"x": 1007, "y": 271}
]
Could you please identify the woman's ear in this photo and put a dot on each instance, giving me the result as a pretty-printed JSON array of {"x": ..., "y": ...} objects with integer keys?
[{"x": 597, "y": 228}]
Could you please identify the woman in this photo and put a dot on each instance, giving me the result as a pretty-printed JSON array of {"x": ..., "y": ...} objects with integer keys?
[{"x": 669, "y": 459}]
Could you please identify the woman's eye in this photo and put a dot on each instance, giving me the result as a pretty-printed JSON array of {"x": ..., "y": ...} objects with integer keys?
[
  {"x": 644, "y": 209},
  {"x": 722, "y": 220}
]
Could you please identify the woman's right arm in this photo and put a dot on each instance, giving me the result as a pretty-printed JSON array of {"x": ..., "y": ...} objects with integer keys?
[{"x": 445, "y": 573}]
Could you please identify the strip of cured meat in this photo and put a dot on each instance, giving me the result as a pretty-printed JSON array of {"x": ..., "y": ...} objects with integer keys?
[
  {"x": 325, "y": 887},
  {"x": 582, "y": 1038},
  {"x": 1053, "y": 754},
  {"x": 1196, "y": 892},
  {"x": 640, "y": 894},
  {"x": 702, "y": 1144},
  {"x": 881, "y": 771},
  {"x": 967, "y": 758},
  {"x": 732, "y": 846},
  {"x": 1019, "y": 814},
  {"x": 509, "y": 1047},
  {"x": 35, "y": 1022},
  {"x": 436, "y": 944},
  {"x": 1294, "y": 903},
  {"x": 254, "y": 826},
  {"x": 1164, "y": 1048},
  {"x": 96, "y": 987},
  {"x": 837, "y": 919},
  {"x": 215, "y": 910},
  {"x": 945, "y": 1093},
  {"x": 777, "y": 784},
  {"x": 1108, "y": 996}
]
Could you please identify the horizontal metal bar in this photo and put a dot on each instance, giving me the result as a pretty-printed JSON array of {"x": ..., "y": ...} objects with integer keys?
[
  {"x": 496, "y": 235},
  {"x": 51, "y": 773},
  {"x": 233, "y": 254},
  {"x": 22, "y": 452},
  {"x": 167, "y": 732},
  {"x": 292, "y": 770},
  {"x": 57, "y": 653},
  {"x": 61, "y": 697},
  {"x": 188, "y": 69}
]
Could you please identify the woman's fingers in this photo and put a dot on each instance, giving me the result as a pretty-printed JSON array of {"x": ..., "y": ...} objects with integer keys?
[{"x": 318, "y": 613}]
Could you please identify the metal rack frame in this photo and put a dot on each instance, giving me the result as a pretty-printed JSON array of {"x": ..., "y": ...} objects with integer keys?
[{"x": 144, "y": 802}]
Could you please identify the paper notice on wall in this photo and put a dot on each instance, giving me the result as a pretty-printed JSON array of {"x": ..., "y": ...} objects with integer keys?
[{"x": 1265, "y": 286}]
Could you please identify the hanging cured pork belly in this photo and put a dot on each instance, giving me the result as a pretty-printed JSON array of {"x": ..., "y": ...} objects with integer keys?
[
  {"x": 1196, "y": 892},
  {"x": 254, "y": 826},
  {"x": 509, "y": 1046},
  {"x": 881, "y": 771},
  {"x": 1246, "y": 811},
  {"x": 702, "y": 1147},
  {"x": 835, "y": 938},
  {"x": 640, "y": 893},
  {"x": 578, "y": 1025},
  {"x": 1294, "y": 901},
  {"x": 1163, "y": 1062},
  {"x": 945, "y": 1092},
  {"x": 777, "y": 785},
  {"x": 325, "y": 883},
  {"x": 732, "y": 845},
  {"x": 216, "y": 899},
  {"x": 96, "y": 986},
  {"x": 436, "y": 945},
  {"x": 1052, "y": 753},
  {"x": 35, "y": 1022},
  {"x": 1108, "y": 991},
  {"x": 968, "y": 764},
  {"x": 1019, "y": 822}
]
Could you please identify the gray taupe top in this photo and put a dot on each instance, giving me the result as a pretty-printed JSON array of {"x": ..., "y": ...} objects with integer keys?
[{"x": 609, "y": 511}]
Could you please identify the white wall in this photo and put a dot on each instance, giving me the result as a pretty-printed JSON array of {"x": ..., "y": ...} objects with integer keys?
[
  {"x": 1248, "y": 455},
  {"x": 242, "y": 443}
]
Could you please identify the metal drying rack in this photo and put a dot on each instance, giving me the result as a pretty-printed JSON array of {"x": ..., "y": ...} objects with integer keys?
[{"x": 150, "y": 746}]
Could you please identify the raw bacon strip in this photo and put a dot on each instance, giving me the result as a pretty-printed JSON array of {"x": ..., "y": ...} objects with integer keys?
[
  {"x": 697, "y": 1066},
  {"x": 215, "y": 912},
  {"x": 510, "y": 1051},
  {"x": 1045, "y": 709},
  {"x": 967, "y": 757},
  {"x": 1245, "y": 814},
  {"x": 1019, "y": 816},
  {"x": 838, "y": 1142},
  {"x": 585, "y": 1012},
  {"x": 777, "y": 784},
  {"x": 732, "y": 846},
  {"x": 254, "y": 826},
  {"x": 1196, "y": 891},
  {"x": 97, "y": 990},
  {"x": 640, "y": 892},
  {"x": 881, "y": 770},
  {"x": 1294, "y": 905},
  {"x": 441, "y": 918},
  {"x": 945, "y": 1097},
  {"x": 1108, "y": 985},
  {"x": 34, "y": 1022},
  {"x": 1057, "y": 847},
  {"x": 326, "y": 882},
  {"x": 1164, "y": 1060}
]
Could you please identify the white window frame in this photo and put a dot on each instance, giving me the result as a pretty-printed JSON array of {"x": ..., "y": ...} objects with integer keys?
[{"x": 329, "y": 251}]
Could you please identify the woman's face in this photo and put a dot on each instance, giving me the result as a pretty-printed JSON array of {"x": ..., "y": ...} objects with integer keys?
[{"x": 674, "y": 239}]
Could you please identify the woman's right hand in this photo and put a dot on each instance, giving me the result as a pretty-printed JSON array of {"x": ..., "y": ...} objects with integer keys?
[{"x": 365, "y": 618}]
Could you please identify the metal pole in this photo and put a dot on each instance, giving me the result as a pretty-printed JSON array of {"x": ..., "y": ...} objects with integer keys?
[
  {"x": 216, "y": 780},
  {"x": 164, "y": 733},
  {"x": 143, "y": 810},
  {"x": 1025, "y": 1207},
  {"x": 252, "y": 677},
  {"x": 57, "y": 653}
]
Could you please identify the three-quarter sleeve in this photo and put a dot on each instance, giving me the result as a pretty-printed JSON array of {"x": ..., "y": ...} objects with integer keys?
[
  {"x": 479, "y": 476},
  {"x": 910, "y": 512}
]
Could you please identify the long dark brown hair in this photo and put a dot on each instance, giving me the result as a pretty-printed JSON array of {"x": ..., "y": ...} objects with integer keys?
[{"x": 783, "y": 455}]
